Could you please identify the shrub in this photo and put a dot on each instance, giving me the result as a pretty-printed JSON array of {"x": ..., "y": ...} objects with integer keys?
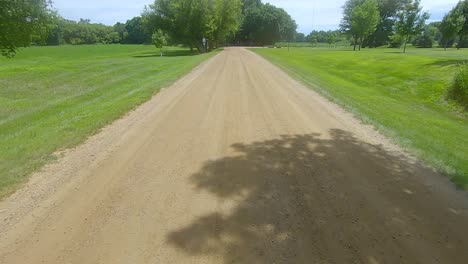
[
  {"x": 459, "y": 89},
  {"x": 423, "y": 41},
  {"x": 462, "y": 43},
  {"x": 446, "y": 44},
  {"x": 396, "y": 41}
]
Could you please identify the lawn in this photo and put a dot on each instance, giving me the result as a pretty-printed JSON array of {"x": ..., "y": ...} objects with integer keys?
[
  {"x": 402, "y": 95},
  {"x": 53, "y": 98}
]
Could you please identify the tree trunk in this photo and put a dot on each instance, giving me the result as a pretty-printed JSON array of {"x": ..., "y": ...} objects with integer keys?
[
  {"x": 404, "y": 46},
  {"x": 355, "y": 44},
  {"x": 360, "y": 44},
  {"x": 446, "y": 44}
]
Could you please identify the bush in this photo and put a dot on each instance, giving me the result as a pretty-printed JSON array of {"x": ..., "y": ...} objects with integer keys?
[
  {"x": 446, "y": 44},
  {"x": 459, "y": 89},
  {"x": 396, "y": 41},
  {"x": 462, "y": 43},
  {"x": 423, "y": 41}
]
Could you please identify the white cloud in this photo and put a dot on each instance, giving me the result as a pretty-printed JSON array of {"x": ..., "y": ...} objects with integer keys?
[{"x": 309, "y": 14}]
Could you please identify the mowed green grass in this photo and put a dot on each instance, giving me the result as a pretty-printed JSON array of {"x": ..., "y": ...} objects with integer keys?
[
  {"x": 402, "y": 95},
  {"x": 53, "y": 98}
]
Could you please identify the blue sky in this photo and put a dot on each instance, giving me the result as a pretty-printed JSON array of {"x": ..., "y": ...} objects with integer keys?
[{"x": 309, "y": 14}]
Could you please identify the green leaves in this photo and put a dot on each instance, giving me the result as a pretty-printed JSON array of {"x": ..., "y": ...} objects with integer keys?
[
  {"x": 361, "y": 18},
  {"x": 188, "y": 21},
  {"x": 20, "y": 21},
  {"x": 158, "y": 39},
  {"x": 265, "y": 24},
  {"x": 454, "y": 22},
  {"x": 411, "y": 20}
]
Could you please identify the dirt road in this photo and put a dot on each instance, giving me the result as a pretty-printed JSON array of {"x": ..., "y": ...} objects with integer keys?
[{"x": 236, "y": 163}]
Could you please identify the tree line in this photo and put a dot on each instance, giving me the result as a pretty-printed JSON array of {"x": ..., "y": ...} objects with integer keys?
[
  {"x": 454, "y": 26},
  {"x": 187, "y": 22},
  {"x": 373, "y": 23},
  {"x": 20, "y": 21},
  {"x": 264, "y": 24},
  {"x": 366, "y": 23},
  {"x": 64, "y": 31},
  {"x": 376, "y": 22},
  {"x": 241, "y": 22}
]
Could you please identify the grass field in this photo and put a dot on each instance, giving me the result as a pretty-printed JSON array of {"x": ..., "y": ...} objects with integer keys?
[
  {"x": 55, "y": 97},
  {"x": 403, "y": 95},
  {"x": 341, "y": 45}
]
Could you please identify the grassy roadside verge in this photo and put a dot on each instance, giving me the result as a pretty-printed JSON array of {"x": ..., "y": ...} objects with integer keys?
[
  {"x": 55, "y": 97},
  {"x": 402, "y": 95}
]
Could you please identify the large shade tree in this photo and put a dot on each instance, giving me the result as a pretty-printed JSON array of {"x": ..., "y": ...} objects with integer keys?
[
  {"x": 224, "y": 21},
  {"x": 411, "y": 21},
  {"x": 20, "y": 21},
  {"x": 461, "y": 10},
  {"x": 265, "y": 24},
  {"x": 189, "y": 21},
  {"x": 388, "y": 10},
  {"x": 451, "y": 25},
  {"x": 360, "y": 19},
  {"x": 137, "y": 33}
]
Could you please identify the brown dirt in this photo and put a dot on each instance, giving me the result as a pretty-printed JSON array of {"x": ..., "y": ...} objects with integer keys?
[{"x": 236, "y": 163}]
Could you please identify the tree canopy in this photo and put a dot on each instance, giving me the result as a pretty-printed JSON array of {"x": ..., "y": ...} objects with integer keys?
[
  {"x": 264, "y": 24},
  {"x": 189, "y": 21},
  {"x": 84, "y": 32},
  {"x": 451, "y": 25},
  {"x": 247, "y": 22},
  {"x": 385, "y": 28},
  {"x": 20, "y": 21},
  {"x": 360, "y": 19},
  {"x": 411, "y": 21},
  {"x": 454, "y": 24},
  {"x": 159, "y": 40}
]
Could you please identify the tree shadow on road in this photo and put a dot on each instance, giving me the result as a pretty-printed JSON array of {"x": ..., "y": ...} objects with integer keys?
[{"x": 306, "y": 199}]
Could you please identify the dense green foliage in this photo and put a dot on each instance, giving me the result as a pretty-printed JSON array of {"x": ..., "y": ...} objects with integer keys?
[
  {"x": 379, "y": 22},
  {"x": 189, "y": 21},
  {"x": 264, "y": 24},
  {"x": 247, "y": 22},
  {"x": 459, "y": 89},
  {"x": 84, "y": 32},
  {"x": 20, "y": 21},
  {"x": 423, "y": 41},
  {"x": 136, "y": 32},
  {"x": 411, "y": 21},
  {"x": 330, "y": 37},
  {"x": 455, "y": 24},
  {"x": 54, "y": 97},
  {"x": 385, "y": 29},
  {"x": 400, "y": 22},
  {"x": 403, "y": 96},
  {"x": 360, "y": 19},
  {"x": 159, "y": 40},
  {"x": 429, "y": 36}
]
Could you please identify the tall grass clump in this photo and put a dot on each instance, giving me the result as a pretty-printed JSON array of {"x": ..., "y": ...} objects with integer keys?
[{"x": 458, "y": 91}]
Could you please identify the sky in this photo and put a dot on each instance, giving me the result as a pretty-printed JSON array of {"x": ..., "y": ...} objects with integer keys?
[{"x": 309, "y": 14}]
